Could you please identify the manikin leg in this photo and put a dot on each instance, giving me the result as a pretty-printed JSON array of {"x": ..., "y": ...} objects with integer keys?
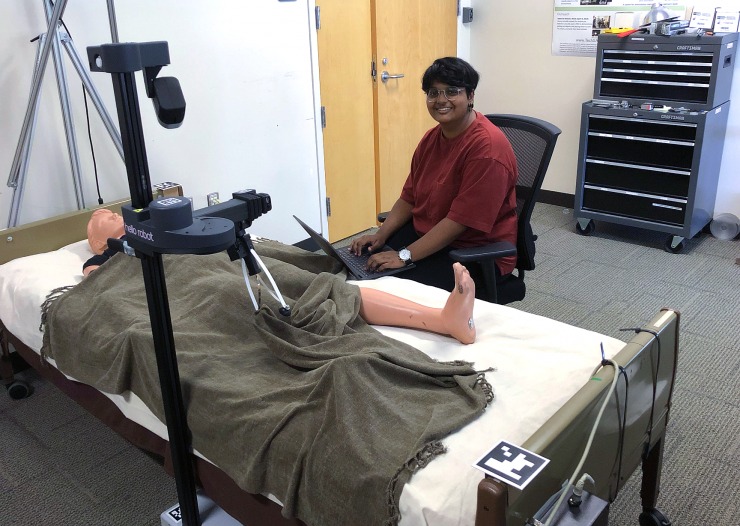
[{"x": 454, "y": 319}]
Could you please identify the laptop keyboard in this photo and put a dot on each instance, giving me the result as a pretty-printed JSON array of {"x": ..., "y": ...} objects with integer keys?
[{"x": 357, "y": 264}]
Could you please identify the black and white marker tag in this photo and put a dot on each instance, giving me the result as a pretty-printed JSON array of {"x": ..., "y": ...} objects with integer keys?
[
  {"x": 176, "y": 514},
  {"x": 511, "y": 464}
]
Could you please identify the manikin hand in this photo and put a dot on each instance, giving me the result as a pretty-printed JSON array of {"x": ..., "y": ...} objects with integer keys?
[{"x": 86, "y": 271}]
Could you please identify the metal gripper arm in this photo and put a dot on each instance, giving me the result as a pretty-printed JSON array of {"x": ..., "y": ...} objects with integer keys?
[{"x": 242, "y": 249}]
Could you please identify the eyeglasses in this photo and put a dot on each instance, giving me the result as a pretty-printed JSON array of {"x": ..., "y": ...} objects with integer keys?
[{"x": 449, "y": 93}]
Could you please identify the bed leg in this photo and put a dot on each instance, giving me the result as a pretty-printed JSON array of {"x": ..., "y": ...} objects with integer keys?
[
  {"x": 6, "y": 367},
  {"x": 651, "y": 468},
  {"x": 492, "y": 500},
  {"x": 17, "y": 389}
]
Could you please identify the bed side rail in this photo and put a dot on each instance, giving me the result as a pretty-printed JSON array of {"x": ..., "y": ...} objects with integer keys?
[
  {"x": 49, "y": 234},
  {"x": 647, "y": 361}
]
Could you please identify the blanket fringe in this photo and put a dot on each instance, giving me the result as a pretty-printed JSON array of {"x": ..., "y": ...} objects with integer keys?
[
  {"x": 45, "y": 306},
  {"x": 414, "y": 464},
  {"x": 485, "y": 385},
  {"x": 49, "y": 301},
  {"x": 457, "y": 363}
]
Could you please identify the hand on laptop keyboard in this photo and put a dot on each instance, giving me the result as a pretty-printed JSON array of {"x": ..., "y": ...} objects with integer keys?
[
  {"x": 371, "y": 243},
  {"x": 386, "y": 260}
]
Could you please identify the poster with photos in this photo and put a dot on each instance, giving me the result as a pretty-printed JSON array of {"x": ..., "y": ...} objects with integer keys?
[{"x": 577, "y": 24}]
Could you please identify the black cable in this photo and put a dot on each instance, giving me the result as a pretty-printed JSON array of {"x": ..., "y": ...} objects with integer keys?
[
  {"x": 622, "y": 371},
  {"x": 623, "y": 427},
  {"x": 654, "y": 375},
  {"x": 89, "y": 133},
  {"x": 92, "y": 149}
]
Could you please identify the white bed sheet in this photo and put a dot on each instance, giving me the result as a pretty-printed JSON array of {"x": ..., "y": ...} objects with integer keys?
[{"x": 540, "y": 364}]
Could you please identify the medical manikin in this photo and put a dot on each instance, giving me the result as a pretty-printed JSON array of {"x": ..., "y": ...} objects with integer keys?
[{"x": 377, "y": 308}]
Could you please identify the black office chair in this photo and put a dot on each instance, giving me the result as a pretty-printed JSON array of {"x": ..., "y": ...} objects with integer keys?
[{"x": 533, "y": 141}]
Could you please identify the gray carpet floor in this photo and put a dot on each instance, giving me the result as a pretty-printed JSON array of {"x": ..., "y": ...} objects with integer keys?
[{"x": 60, "y": 466}]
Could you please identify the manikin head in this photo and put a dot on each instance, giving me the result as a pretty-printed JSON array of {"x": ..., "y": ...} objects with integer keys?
[{"x": 103, "y": 224}]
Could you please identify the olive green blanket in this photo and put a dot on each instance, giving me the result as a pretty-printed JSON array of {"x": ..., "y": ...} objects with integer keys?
[{"x": 319, "y": 410}]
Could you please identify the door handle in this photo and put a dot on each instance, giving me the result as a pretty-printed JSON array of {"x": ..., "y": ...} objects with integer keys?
[{"x": 385, "y": 76}]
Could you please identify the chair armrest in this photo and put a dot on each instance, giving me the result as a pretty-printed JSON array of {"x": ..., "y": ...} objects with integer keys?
[
  {"x": 382, "y": 217},
  {"x": 498, "y": 250}
]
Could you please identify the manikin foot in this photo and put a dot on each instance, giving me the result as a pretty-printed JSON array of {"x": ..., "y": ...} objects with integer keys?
[{"x": 457, "y": 314}]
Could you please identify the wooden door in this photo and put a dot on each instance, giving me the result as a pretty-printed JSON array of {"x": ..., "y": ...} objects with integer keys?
[
  {"x": 372, "y": 127},
  {"x": 345, "y": 56},
  {"x": 409, "y": 35}
]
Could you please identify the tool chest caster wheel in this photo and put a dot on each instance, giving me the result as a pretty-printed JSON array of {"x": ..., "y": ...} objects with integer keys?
[
  {"x": 653, "y": 518},
  {"x": 674, "y": 244},
  {"x": 586, "y": 230},
  {"x": 19, "y": 390}
]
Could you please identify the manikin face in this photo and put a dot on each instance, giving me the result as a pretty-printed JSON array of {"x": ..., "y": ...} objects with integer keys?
[
  {"x": 448, "y": 111},
  {"x": 103, "y": 224}
]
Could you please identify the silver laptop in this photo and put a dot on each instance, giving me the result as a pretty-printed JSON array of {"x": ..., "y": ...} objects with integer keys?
[{"x": 355, "y": 264}]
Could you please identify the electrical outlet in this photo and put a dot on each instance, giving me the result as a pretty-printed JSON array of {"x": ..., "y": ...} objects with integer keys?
[{"x": 213, "y": 199}]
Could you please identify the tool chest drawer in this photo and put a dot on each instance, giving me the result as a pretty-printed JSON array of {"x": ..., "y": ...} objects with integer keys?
[
  {"x": 638, "y": 205},
  {"x": 631, "y": 176},
  {"x": 656, "y": 75},
  {"x": 663, "y": 153},
  {"x": 678, "y": 131},
  {"x": 693, "y": 71}
]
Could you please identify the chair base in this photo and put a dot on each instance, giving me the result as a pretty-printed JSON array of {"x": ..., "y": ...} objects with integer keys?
[{"x": 513, "y": 289}]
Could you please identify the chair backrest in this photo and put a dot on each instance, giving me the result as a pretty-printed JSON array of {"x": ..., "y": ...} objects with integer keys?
[{"x": 533, "y": 141}]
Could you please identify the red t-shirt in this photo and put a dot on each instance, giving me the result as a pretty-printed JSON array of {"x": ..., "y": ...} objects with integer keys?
[{"x": 469, "y": 179}]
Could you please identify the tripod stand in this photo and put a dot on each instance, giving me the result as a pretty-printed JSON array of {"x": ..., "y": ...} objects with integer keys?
[{"x": 51, "y": 42}]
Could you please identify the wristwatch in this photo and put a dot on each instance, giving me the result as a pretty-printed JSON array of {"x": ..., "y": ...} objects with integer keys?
[{"x": 405, "y": 255}]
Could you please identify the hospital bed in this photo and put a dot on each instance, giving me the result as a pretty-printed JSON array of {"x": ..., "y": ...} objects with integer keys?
[{"x": 546, "y": 397}]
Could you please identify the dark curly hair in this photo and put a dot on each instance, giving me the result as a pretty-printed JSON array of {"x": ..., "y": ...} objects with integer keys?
[{"x": 452, "y": 71}]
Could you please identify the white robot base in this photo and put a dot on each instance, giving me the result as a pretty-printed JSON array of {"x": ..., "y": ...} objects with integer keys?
[{"x": 210, "y": 514}]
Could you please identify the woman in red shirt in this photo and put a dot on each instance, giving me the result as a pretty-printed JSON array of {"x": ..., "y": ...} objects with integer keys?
[{"x": 461, "y": 189}]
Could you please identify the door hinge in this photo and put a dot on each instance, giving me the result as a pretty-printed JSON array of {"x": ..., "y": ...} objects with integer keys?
[
  {"x": 373, "y": 71},
  {"x": 328, "y": 207},
  {"x": 323, "y": 116},
  {"x": 318, "y": 17}
]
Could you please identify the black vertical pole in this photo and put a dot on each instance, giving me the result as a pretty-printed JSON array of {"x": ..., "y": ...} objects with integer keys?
[
  {"x": 169, "y": 379},
  {"x": 132, "y": 138}
]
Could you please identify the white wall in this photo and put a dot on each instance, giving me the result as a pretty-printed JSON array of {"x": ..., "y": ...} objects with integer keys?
[
  {"x": 463, "y": 32},
  {"x": 510, "y": 43},
  {"x": 247, "y": 73},
  {"x": 728, "y": 191}
]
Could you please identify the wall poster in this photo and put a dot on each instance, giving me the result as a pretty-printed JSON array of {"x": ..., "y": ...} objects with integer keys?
[{"x": 578, "y": 23}]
